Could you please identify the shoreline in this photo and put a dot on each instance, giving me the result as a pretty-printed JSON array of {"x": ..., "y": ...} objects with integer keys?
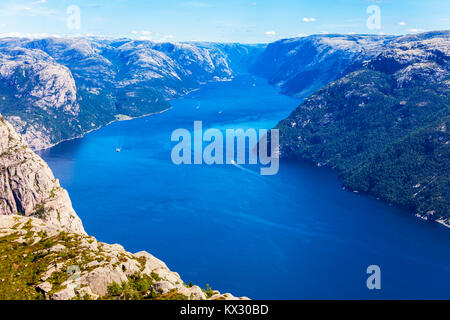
[
  {"x": 100, "y": 127},
  {"x": 425, "y": 218},
  {"x": 416, "y": 215},
  {"x": 133, "y": 118},
  {"x": 440, "y": 221}
]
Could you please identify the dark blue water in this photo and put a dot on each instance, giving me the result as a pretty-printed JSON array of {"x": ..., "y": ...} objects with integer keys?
[{"x": 295, "y": 235}]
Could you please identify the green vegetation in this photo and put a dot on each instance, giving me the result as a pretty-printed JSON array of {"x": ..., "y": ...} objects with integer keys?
[
  {"x": 209, "y": 292},
  {"x": 413, "y": 172},
  {"x": 96, "y": 110},
  {"x": 23, "y": 264},
  {"x": 138, "y": 287},
  {"x": 385, "y": 140},
  {"x": 155, "y": 276},
  {"x": 28, "y": 258}
]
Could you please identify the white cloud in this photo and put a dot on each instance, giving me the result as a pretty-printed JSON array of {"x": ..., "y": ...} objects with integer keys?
[
  {"x": 30, "y": 9},
  {"x": 142, "y": 35},
  {"x": 166, "y": 38},
  {"x": 415, "y": 30},
  {"x": 271, "y": 33},
  {"x": 301, "y": 35},
  {"x": 309, "y": 19},
  {"x": 401, "y": 23}
]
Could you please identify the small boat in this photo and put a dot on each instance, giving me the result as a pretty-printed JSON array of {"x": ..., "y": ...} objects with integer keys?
[{"x": 118, "y": 150}]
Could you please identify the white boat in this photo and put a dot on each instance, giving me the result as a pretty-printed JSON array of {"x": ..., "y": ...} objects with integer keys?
[{"x": 118, "y": 149}]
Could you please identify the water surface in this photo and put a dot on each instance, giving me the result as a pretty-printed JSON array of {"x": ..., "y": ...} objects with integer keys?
[{"x": 296, "y": 235}]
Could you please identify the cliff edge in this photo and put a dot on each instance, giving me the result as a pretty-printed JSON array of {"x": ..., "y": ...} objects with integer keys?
[{"x": 46, "y": 254}]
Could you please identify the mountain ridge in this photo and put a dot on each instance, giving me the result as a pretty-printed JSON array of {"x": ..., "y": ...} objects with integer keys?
[{"x": 56, "y": 89}]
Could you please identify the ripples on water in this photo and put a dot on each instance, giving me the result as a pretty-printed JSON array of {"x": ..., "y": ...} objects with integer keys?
[{"x": 295, "y": 235}]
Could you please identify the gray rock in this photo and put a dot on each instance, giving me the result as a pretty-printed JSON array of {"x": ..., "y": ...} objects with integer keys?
[
  {"x": 28, "y": 186},
  {"x": 65, "y": 294},
  {"x": 163, "y": 287},
  {"x": 45, "y": 288},
  {"x": 99, "y": 280}
]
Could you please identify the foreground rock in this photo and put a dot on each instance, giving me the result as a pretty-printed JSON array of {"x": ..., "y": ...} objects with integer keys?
[
  {"x": 45, "y": 252},
  {"x": 28, "y": 187},
  {"x": 41, "y": 261}
]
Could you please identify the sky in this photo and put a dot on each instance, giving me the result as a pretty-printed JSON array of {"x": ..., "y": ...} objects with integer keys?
[{"x": 244, "y": 21}]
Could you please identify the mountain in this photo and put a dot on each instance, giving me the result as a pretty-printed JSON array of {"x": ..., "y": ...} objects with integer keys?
[
  {"x": 56, "y": 89},
  {"x": 384, "y": 126},
  {"x": 46, "y": 254},
  {"x": 300, "y": 66}
]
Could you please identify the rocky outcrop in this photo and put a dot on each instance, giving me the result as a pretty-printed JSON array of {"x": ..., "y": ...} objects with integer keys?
[
  {"x": 75, "y": 266},
  {"x": 28, "y": 187},
  {"x": 45, "y": 252}
]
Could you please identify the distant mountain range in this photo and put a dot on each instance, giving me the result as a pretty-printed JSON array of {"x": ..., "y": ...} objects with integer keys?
[
  {"x": 300, "y": 66},
  {"x": 378, "y": 106},
  {"x": 56, "y": 89}
]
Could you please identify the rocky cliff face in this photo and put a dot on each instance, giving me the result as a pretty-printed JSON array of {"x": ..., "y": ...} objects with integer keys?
[
  {"x": 57, "y": 89},
  {"x": 45, "y": 252},
  {"x": 383, "y": 126},
  {"x": 28, "y": 187}
]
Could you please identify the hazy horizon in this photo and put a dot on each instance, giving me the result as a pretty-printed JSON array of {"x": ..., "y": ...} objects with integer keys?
[
  {"x": 246, "y": 21},
  {"x": 202, "y": 41}
]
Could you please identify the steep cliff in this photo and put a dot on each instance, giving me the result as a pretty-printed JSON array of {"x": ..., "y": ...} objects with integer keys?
[
  {"x": 45, "y": 252},
  {"x": 28, "y": 187}
]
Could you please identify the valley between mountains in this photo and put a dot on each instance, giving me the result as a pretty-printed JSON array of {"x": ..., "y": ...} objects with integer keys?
[
  {"x": 376, "y": 107},
  {"x": 376, "y": 110}
]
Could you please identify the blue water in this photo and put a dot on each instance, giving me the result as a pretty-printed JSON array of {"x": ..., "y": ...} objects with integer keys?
[{"x": 295, "y": 235}]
